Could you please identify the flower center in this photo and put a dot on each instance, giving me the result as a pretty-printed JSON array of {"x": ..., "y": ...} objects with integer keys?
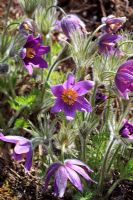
[
  {"x": 30, "y": 53},
  {"x": 114, "y": 26},
  {"x": 69, "y": 96},
  {"x": 26, "y": 26}
]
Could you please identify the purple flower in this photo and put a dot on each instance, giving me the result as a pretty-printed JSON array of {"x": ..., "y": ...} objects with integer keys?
[
  {"x": 113, "y": 24},
  {"x": 108, "y": 44},
  {"x": 70, "y": 23},
  {"x": 67, "y": 171},
  {"x": 23, "y": 148},
  {"x": 69, "y": 97},
  {"x": 57, "y": 25},
  {"x": 27, "y": 27},
  {"x": 124, "y": 79},
  {"x": 32, "y": 52},
  {"x": 127, "y": 130}
]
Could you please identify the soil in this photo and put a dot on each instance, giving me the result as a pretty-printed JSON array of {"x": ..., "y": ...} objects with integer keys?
[{"x": 15, "y": 184}]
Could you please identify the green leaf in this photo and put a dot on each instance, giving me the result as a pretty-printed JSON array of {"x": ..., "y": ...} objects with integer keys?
[{"x": 21, "y": 123}]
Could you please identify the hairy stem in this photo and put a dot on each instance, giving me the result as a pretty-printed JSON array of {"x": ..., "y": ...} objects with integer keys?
[{"x": 103, "y": 169}]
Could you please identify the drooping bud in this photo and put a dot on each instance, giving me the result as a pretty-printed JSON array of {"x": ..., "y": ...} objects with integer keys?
[
  {"x": 124, "y": 79},
  {"x": 70, "y": 23},
  {"x": 27, "y": 27}
]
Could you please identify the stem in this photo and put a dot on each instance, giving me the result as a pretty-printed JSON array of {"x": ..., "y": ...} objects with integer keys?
[
  {"x": 94, "y": 93},
  {"x": 83, "y": 146},
  {"x": 51, "y": 69},
  {"x": 103, "y": 169},
  {"x": 84, "y": 149},
  {"x": 57, "y": 8},
  {"x": 58, "y": 59},
  {"x": 7, "y": 13},
  {"x": 125, "y": 112},
  {"x": 62, "y": 153},
  {"x": 113, "y": 157},
  {"x": 51, "y": 152},
  {"x": 4, "y": 59},
  {"x": 93, "y": 34},
  {"x": 112, "y": 188},
  {"x": 15, "y": 116}
]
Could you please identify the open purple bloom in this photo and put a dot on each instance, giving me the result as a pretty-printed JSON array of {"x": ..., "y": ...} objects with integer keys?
[
  {"x": 69, "y": 97},
  {"x": 32, "y": 52},
  {"x": 70, "y": 23},
  {"x": 113, "y": 24},
  {"x": 22, "y": 149},
  {"x": 127, "y": 131},
  {"x": 124, "y": 79},
  {"x": 108, "y": 44},
  {"x": 67, "y": 171}
]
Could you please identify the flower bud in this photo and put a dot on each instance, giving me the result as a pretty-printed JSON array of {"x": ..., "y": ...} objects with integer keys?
[
  {"x": 27, "y": 27},
  {"x": 127, "y": 130},
  {"x": 71, "y": 23}
]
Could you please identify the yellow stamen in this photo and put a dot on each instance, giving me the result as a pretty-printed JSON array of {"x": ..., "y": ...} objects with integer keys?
[
  {"x": 69, "y": 96},
  {"x": 30, "y": 53},
  {"x": 114, "y": 26},
  {"x": 26, "y": 26},
  {"x": 130, "y": 133}
]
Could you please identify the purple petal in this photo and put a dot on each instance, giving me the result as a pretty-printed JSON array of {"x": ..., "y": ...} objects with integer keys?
[
  {"x": 61, "y": 180},
  {"x": 124, "y": 78},
  {"x": 28, "y": 161},
  {"x": 69, "y": 111},
  {"x": 12, "y": 139},
  {"x": 131, "y": 137},
  {"x": 38, "y": 62},
  {"x": 50, "y": 172},
  {"x": 69, "y": 83},
  {"x": 21, "y": 149},
  {"x": 74, "y": 178},
  {"x": 17, "y": 156},
  {"x": 83, "y": 104},
  {"x": 78, "y": 162},
  {"x": 81, "y": 171},
  {"x": 23, "y": 53},
  {"x": 42, "y": 50},
  {"x": 82, "y": 87},
  {"x": 29, "y": 68},
  {"x": 57, "y": 90},
  {"x": 109, "y": 38},
  {"x": 58, "y": 106},
  {"x": 128, "y": 65},
  {"x": 32, "y": 41},
  {"x": 56, "y": 192}
]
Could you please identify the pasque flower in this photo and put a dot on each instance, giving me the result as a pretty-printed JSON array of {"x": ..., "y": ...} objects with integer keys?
[
  {"x": 67, "y": 171},
  {"x": 113, "y": 24},
  {"x": 108, "y": 44},
  {"x": 69, "y": 96},
  {"x": 124, "y": 79},
  {"x": 70, "y": 23},
  {"x": 27, "y": 27},
  {"x": 22, "y": 149},
  {"x": 127, "y": 130},
  {"x": 32, "y": 52}
]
